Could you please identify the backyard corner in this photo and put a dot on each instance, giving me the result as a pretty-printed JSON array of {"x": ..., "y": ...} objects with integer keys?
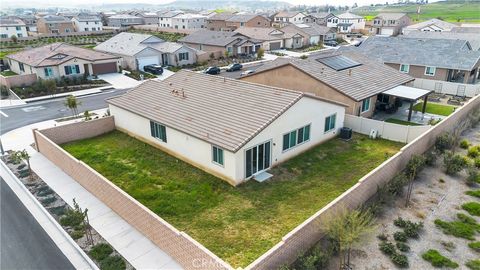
[
  {"x": 236, "y": 223},
  {"x": 434, "y": 108}
]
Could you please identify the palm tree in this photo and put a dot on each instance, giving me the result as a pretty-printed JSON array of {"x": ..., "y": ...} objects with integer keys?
[
  {"x": 20, "y": 155},
  {"x": 348, "y": 228},
  {"x": 72, "y": 103}
]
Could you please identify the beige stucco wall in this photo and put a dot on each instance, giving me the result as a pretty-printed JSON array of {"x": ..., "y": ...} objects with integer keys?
[
  {"x": 291, "y": 78},
  {"x": 216, "y": 25},
  {"x": 419, "y": 72}
]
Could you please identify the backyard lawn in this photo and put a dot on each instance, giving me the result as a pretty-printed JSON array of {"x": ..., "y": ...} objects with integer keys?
[
  {"x": 7, "y": 73},
  {"x": 236, "y": 223},
  {"x": 433, "y": 108},
  {"x": 401, "y": 122}
]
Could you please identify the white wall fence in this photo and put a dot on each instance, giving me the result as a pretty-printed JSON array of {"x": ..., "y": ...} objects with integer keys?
[
  {"x": 450, "y": 88},
  {"x": 389, "y": 131}
]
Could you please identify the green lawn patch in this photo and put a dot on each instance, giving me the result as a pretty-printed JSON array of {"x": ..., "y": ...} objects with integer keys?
[
  {"x": 433, "y": 108},
  {"x": 475, "y": 246},
  {"x": 7, "y": 73},
  {"x": 473, "y": 264},
  {"x": 438, "y": 260},
  {"x": 236, "y": 223},
  {"x": 465, "y": 227},
  {"x": 401, "y": 122},
  {"x": 473, "y": 208},
  {"x": 474, "y": 193}
]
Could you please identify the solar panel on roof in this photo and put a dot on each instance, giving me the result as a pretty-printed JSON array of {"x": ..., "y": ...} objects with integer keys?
[{"x": 338, "y": 62}]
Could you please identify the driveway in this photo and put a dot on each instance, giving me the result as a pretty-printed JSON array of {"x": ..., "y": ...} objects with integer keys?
[
  {"x": 119, "y": 81},
  {"x": 166, "y": 73}
]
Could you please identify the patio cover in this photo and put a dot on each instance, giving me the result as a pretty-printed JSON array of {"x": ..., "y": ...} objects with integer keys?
[{"x": 407, "y": 92}]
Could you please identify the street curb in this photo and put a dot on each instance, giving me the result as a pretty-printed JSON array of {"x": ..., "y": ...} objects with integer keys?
[{"x": 44, "y": 211}]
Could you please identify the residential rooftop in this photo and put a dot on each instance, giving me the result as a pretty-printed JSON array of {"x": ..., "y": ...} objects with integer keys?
[
  {"x": 213, "y": 38},
  {"x": 349, "y": 15},
  {"x": 472, "y": 38},
  {"x": 126, "y": 43},
  {"x": 446, "y": 26},
  {"x": 241, "y": 17},
  {"x": 11, "y": 22},
  {"x": 390, "y": 15},
  {"x": 287, "y": 14}
]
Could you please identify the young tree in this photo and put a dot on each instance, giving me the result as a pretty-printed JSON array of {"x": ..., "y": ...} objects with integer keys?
[
  {"x": 51, "y": 86},
  {"x": 414, "y": 165},
  {"x": 348, "y": 228},
  {"x": 14, "y": 38},
  {"x": 260, "y": 53},
  {"x": 72, "y": 103},
  {"x": 20, "y": 155}
]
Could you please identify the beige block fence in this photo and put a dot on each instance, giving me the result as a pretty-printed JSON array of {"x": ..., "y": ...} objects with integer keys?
[{"x": 188, "y": 252}]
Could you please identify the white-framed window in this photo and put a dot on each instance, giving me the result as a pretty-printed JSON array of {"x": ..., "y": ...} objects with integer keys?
[
  {"x": 330, "y": 122},
  {"x": 217, "y": 155},
  {"x": 72, "y": 69},
  {"x": 48, "y": 72},
  {"x": 296, "y": 137},
  {"x": 21, "y": 67},
  {"x": 158, "y": 131},
  {"x": 365, "y": 105},
  {"x": 404, "y": 68},
  {"x": 183, "y": 56},
  {"x": 430, "y": 71}
]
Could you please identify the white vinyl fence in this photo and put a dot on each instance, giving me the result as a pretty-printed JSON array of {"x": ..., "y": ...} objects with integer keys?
[
  {"x": 389, "y": 131},
  {"x": 450, "y": 88}
]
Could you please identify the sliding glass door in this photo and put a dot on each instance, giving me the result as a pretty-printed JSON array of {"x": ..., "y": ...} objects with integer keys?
[{"x": 257, "y": 158}]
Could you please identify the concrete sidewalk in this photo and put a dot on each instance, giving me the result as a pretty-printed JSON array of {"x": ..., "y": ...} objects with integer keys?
[{"x": 130, "y": 243}]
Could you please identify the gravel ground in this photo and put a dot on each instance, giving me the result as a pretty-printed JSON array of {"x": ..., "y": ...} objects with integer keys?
[{"x": 432, "y": 199}]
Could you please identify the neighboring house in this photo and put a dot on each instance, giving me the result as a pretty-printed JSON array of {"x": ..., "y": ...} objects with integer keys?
[
  {"x": 238, "y": 129},
  {"x": 246, "y": 20},
  {"x": 165, "y": 18},
  {"x": 432, "y": 25},
  {"x": 435, "y": 59},
  {"x": 56, "y": 60},
  {"x": 389, "y": 24},
  {"x": 218, "y": 22},
  {"x": 272, "y": 38},
  {"x": 320, "y": 18},
  {"x": 348, "y": 78},
  {"x": 472, "y": 38},
  {"x": 349, "y": 23},
  {"x": 189, "y": 21},
  {"x": 208, "y": 13},
  {"x": 30, "y": 22},
  {"x": 12, "y": 27},
  {"x": 294, "y": 39},
  {"x": 332, "y": 21},
  {"x": 221, "y": 42},
  {"x": 314, "y": 33},
  {"x": 139, "y": 50},
  {"x": 87, "y": 23},
  {"x": 149, "y": 18},
  {"x": 283, "y": 18},
  {"x": 124, "y": 20},
  {"x": 52, "y": 24}
]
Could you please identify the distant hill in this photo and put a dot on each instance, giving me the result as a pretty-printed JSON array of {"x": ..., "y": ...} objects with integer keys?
[{"x": 452, "y": 11}]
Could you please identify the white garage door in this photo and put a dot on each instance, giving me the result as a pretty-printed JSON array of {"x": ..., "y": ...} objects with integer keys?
[
  {"x": 150, "y": 60},
  {"x": 387, "y": 31}
]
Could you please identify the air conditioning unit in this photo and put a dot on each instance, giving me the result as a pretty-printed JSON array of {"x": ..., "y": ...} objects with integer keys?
[
  {"x": 373, "y": 134},
  {"x": 345, "y": 133}
]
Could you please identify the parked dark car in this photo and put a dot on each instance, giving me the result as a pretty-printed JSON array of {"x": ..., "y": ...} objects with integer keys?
[
  {"x": 154, "y": 69},
  {"x": 212, "y": 70},
  {"x": 234, "y": 67},
  {"x": 331, "y": 43}
]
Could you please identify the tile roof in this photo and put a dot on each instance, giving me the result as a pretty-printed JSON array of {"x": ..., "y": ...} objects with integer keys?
[
  {"x": 390, "y": 16},
  {"x": 87, "y": 18},
  {"x": 311, "y": 29},
  {"x": 472, "y": 38},
  {"x": 11, "y": 22},
  {"x": 57, "y": 53},
  {"x": 466, "y": 29},
  {"x": 212, "y": 38},
  {"x": 126, "y": 43},
  {"x": 320, "y": 15},
  {"x": 349, "y": 15},
  {"x": 360, "y": 82},
  {"x": 55, "y": 18},
  {"x": 261, "y": 33},
  {"x": 440, "y": 53},
  {"x": 221, "y": 16},
  {"x": 442, "y": 24},
  {"x": 241, "y": 17},
  {"x": 222, "y": 111},
  {"x": 169, "y": 14},
  {"x": 287, "y": 14}
]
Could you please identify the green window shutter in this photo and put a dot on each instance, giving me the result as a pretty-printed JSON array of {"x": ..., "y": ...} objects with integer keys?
[
  {"x": 215, "y": 154},
  {"x": 327, "y": 123},
  {"x": 293, "y": 138},
  {"x": 286, "y": 139},
  {"x": 332, "y": 121},
  {"x": 77, "y": 68},
  {"x": 164, "y": 133},
  {"x": 152, "y": 129},
  {"x": 300, "y": 135},
  {"x": 220, "y": 156},
  {"x": 306, "y": 133}
]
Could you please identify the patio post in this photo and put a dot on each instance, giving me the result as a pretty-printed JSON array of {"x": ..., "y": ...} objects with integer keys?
[
  {"x": 410, "y": 111},
  {"x": 424, "y": 108}
]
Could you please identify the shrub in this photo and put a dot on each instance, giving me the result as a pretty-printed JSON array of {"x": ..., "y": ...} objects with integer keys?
[
  {"x": 400, "y": 236},
  {"x": 112, "y": 263},
  {"x": 403, "y": 247},
  {"x": 412, "y": 229},
  {"x": 382, "y": 237},
  {"x": 473, "y": 208},
  {"x": 76, "y": 234},
  {"x": 44, "y": 191},
  {"x": 476, "y": 163},
  {"x": 448, "y": 245},
  {"x": 473, "y": 264},
  {"x": 387, "y": 248},
  {"x": 303, "y": 56},
  {"x": 457, "y": 229},
  {"x": 400, "y": 260},
  {"x": 474, "y": 193},
  {"x": 414, "y": 165},
  {"x": 473, "y": 151},
  {"x": 467, "y": 219},
  {"x": 437, "y": 260},
  {"x": 475, "y": 246},
  {"x": 48, "y": 200},
  {"x": 443, "y": 142},
  {"x": 430, "y": 158},
  {"x": 400, "y": 222},
  {"x": 100, "y": 251},
  {"x": 473, "y": 176},
  {"x": 395, "y": 186},
  {"x": 454, "y": 163},
  {"x": 464, "y": 144}
]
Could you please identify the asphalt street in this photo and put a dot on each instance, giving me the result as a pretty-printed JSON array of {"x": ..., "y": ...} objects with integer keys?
[
  {"x": 50, "y": 109},
  {"x": 24, "y": 243}
]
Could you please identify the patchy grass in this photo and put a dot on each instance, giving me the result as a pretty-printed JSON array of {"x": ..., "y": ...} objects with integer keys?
[
  {"x": 236, "y": 223},
  {"x": 433, "y": 108},
  {"x": 473, "y": 208},
  {"x": 474, "y": 193},
  {"x": 464, "y": 227},
  {"x": 401, "y": 122},
  {"x": 473, "y": 264},
  {"x": 438, "y": 260},
  {"x": 7, "y": 73},
  {"x": 475, "y": 246}
]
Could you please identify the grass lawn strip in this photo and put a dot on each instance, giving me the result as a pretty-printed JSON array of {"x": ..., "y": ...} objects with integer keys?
[
  {"x": 8, "y": 73},
  {"x": 438, "y": 260},
  {"x": 433, "y": 108},
  {"x": 401, "y": 122},
  {"x": 236, "y": 223}
]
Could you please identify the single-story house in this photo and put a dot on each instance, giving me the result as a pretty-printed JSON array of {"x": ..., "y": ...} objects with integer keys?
[
  {"x": 238, "y": 129},
  {"x": 124, "y": 20},
  {"x": 450, "y": 60},
  {"x": 55, "y": 60},
  {"x": 139, "y": 50},
  {"x": 318, "y": 18},
  {"x": 272, "y": 38},
  {"x": 246, "y": 20},
  {"x": 389, "y": 24},
  {"x": 348, "y": 78},
  {"x": 220, "y": 42},
  {"x": 472, "y": 38},
  {"x": 313, "y": 33},
  {"x": 432, "y": 25}
]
